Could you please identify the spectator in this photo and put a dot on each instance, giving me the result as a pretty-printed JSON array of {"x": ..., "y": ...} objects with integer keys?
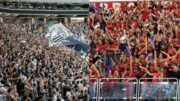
[{"x": 80, "y": 30}]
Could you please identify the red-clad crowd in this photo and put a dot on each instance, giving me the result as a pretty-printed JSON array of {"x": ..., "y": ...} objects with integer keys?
[{"x": 134, "y": 39}]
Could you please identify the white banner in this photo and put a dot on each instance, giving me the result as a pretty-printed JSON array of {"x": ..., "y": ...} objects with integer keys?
[{"x": 57, "y": 33}]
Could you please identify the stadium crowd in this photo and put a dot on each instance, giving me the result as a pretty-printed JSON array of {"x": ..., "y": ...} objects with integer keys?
[
  {"x": 45, "y": 6},
  {"x": 80, "y": 30},
  {"x": 30, "y": 70},
  {"x": 135, "y": 39}
]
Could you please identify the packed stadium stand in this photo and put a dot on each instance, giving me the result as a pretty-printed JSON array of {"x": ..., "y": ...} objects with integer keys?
[
  {"x": 68, "y": 7},
  {"x": 45, "y": 4},
  {"x": 42, "y": 57},
  {"x": 134, "y": 50}
]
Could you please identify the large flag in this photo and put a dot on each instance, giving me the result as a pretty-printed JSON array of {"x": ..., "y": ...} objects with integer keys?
[{"x": 109, "y": 64}]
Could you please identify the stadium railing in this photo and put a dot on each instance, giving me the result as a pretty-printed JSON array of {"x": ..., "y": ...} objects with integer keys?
[
  {"x": 144, "y": 89},
  {"x": 93, "y": 89},
  {"x": 179, "y": 91},
  {"x": 160, "y": 89},
  {"x": 118, "y": 89}
]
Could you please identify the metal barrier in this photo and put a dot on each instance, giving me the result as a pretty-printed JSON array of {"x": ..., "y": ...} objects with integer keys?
[
  {"x": 179, "y": 91},
  {"x": 93, "y": 89},
  {"x": 160, "y": 89},
  {"x": 130, "y": 89},
  {"x": 112, "y": 89}
]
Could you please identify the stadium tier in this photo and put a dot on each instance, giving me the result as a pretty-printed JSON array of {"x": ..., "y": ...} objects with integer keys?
[
  {"x": 51, "y": 1},
  {"x": 134, "y": 39},
  {"x": 62, "y": 7}
]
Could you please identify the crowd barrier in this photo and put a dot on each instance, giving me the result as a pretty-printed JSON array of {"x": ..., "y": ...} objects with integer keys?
[
  {"x": 131, "y": 89},
  {"x": 93, "y": 89}
]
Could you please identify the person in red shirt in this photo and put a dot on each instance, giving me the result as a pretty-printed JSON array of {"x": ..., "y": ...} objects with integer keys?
[{"x": 155, "y": 75}]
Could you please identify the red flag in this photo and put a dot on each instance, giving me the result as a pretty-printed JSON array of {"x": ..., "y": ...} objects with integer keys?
[
  {"x": 109, "y": 5},
  {"x": 98, "y": 4}
]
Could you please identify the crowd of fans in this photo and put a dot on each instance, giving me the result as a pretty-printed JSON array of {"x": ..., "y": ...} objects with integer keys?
[
  {"x": 135, "y": 40},
  {"x": 80, "y": 30},
  {"x": 45, "y": 6},
  {"x": 30, "y": 70}
]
